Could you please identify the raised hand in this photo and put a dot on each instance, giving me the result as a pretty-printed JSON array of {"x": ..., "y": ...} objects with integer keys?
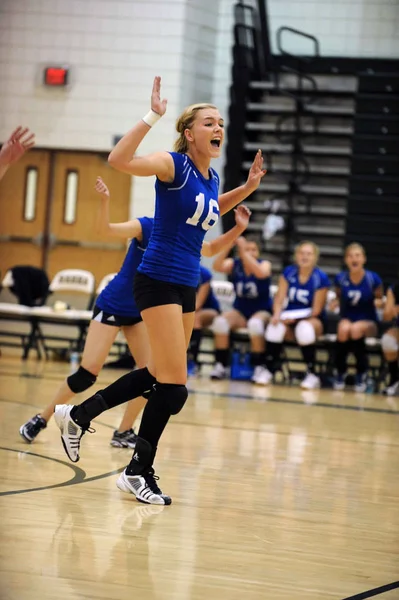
[
  {"x": 19, "y": 142},
  {"x": 242, "y": 215},
  {"x": 256, "y": 172},
  {"x": 101, "y": 188},
  {"x": 158, "y": 105},
  {"x": 241, "y": 243}
]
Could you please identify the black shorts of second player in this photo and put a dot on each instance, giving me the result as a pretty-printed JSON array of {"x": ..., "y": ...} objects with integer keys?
[
  {"x": 107, "y": 318},
  {"x": 149, "y": 292}
]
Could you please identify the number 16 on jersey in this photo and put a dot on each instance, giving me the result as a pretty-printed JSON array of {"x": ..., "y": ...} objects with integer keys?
[{"x": 212, "y": 216}]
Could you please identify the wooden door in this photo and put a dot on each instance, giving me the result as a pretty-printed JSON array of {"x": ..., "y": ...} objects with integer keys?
[
  {"x": 23, "y": 196},
  {"x": 74, "y": 241}
]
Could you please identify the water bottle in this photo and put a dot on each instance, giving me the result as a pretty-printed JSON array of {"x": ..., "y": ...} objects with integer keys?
[{"x": 73, "y": 362}]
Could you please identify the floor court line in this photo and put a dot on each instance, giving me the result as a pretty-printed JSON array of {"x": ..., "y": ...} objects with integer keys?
[
  {"x": 375, "y": 592},
  {"x": 79, "y": 477}
]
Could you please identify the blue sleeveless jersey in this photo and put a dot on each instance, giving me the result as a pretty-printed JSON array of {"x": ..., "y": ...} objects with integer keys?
[
  {"x": 184, "y": 211},
  {"x": 252, "y": 294},
  {"x": 357, "y": 300},
  {"x": 300, "y": 295},
  {"x": 117, "y": 297},
  {"x": 211, "y": 300}
]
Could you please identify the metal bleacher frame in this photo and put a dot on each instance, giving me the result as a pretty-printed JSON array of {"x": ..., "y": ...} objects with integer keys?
[
  {"x": 320, "y": 121},
  {"x": 344, "y": 110}
]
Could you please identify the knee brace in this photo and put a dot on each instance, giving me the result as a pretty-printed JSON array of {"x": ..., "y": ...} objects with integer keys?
[
  {"x": 81, "y": 380},
  {"x": 171, "y": 394},
  {"x": 389, "y": 343},
  {"x": 255, "y": 327},
  {"x": 275, "y": 333},
  {"x": 220, "y": 325},
  {"x": 305, "y": 333}
]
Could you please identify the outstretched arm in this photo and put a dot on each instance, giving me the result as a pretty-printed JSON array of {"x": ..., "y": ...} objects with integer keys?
[
  {"x": 128, "y": 229},
  {"x": 229, "y": 200},
  {"x": 123, "y": 156},
  {"x": 19, "y": 142},
  {"x": 226, "y": 241}
]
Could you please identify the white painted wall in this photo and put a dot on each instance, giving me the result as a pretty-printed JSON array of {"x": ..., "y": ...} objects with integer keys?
[
  {"x": 114, "y": 49},
  {"x": 200, "y": 41},
  {"x": 359, "y": 28}
]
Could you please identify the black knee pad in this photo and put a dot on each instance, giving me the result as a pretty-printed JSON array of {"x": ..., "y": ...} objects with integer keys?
[
  {"x": 171, "y": 394},
  {"x": 81, "y": 380}
]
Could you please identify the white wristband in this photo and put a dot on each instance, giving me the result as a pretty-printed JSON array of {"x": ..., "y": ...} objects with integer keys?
[{"x": 151, "y": 118}]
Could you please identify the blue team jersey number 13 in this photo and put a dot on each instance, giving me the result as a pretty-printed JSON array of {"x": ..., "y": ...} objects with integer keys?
[{"x": 212, "y": 216}]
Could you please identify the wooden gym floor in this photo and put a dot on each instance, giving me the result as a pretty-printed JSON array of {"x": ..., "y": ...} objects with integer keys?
[{"x": 277, "y": 495}]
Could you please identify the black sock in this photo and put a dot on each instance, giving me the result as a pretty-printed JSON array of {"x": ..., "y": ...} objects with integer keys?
[
  {"x": 142, "y": 459},
  {"x": 359, "y": 350},
  {"x": 155, "y": 417},
  {"x": 257, "y": 359},
  {"x": 309, "y": 356},
  {"x": 195, "y": 344},
  {"x": 273, "y": 352},
  {"x": 156, "y": 413},
  {"x": 341, "y": 356},
  {"x": 129, "y": 386},
  {"x": 222, "y": 356},
  {"x": 393, "y": 367}
]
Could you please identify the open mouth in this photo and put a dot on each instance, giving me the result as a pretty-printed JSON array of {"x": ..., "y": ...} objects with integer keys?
[{"x": 215, "y": 143}]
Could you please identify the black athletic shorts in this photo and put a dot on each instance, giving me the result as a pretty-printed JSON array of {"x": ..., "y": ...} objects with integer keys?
[
  {"x": 149, "y": 292},
  {"x": 107, "y": 318}
]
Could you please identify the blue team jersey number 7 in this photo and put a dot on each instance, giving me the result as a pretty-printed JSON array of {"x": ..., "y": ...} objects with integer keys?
[{"x": 212, "y": 216}]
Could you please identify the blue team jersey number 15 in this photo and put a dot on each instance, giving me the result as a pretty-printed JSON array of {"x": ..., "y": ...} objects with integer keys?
[
  {"x": 212, "y": 216},
  {"x": 298, "y": 295}
]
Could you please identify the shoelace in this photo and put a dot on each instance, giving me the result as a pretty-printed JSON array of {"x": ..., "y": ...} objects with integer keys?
[
  {"x": 75, "y": 442},
  {"x": 151, "y": 480},
  {"x": 87, "y": 429}
]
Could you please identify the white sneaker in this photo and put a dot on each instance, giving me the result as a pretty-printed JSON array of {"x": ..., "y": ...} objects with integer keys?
[
  {"x": 71, "y": 432},
  {"x": 218, "y": 371},
  {"x": 339, "y": 383},
  {"x": 311, "y": 382},
  {"x": 257, "y": 372},
  {"x": 391, "y": 390},
  {"x": 144, "y": 487},
  {"x": 262, "y": 376},
  {"x": 360, "y": 383}
]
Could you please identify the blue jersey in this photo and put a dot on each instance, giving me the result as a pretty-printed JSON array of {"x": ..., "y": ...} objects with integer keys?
[
  {"x": 211, "y": 300},
  {"x": 117, "y": 298},
  {"x": 184, "y": 211},
  {"x": 252, "y": 294},
  {"x": 300, "y": 295},
  {"x": 357, "y": 300}
]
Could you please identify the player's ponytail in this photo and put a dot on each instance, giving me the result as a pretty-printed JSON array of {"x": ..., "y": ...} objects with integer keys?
[{"x": 186, "y": 121}]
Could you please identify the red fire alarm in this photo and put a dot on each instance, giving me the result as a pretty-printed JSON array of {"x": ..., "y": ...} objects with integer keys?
[{"x": 56, "y": 76}]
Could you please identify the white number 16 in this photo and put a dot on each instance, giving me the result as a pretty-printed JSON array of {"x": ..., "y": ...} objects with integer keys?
[{"x": 212, "y": 215}]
